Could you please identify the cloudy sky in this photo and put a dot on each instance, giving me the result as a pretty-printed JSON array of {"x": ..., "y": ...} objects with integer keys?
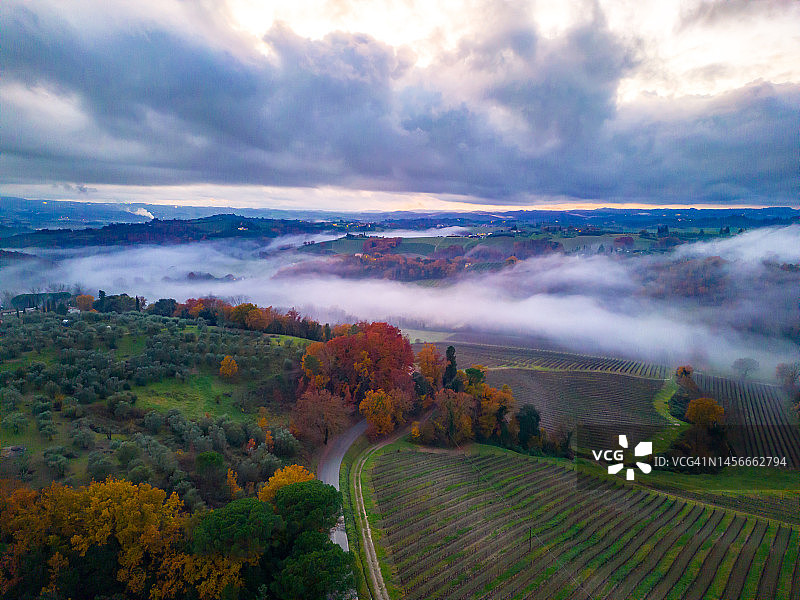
[{"x": 401, "y": 104}]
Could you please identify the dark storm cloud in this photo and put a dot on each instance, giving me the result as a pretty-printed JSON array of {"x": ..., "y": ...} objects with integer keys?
[
  {"x": 741, "y": 144},
  {"x": 506, "y": 115},
  {"x": 204, "y": 114}
]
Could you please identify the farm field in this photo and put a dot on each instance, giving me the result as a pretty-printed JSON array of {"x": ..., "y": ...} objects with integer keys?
[
  {"x": 494, "y": 524},
  {"x": 757, "y": 416},
  {"x": 528, "y": 358},
  {"x": 595, "y": 392},
  {"x": 597, "y": 406}
]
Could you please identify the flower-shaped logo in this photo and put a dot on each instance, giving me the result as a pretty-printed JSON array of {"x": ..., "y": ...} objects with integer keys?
[{"x": 642, "y": 449}]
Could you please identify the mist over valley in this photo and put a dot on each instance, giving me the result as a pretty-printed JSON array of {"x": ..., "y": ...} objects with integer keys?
[{"x": 706, "y": 302}]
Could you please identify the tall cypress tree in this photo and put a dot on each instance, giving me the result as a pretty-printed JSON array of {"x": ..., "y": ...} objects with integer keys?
[{"x": 450, "y": 370}]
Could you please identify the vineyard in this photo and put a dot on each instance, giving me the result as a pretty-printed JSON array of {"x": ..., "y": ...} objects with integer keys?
[
  {"x": 757, "y": 418},
  {"x": 501, "y": 525},
  {"x": 600, "y": 397},
  {"x": 525, "y": 358},
  {"x": 597, "y": 406}
]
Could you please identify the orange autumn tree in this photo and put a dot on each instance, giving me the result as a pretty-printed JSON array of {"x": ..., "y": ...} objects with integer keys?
[
  {"x": 384, "y": 411},
  {"x": 705, "y": 412},
  {"x": 683, "y": 376},
  {"x": 233, "y": 484},
  {"x": 431, "y": 365},
  {"x": 239, "y": 313},
  {"x": 373, "y": 356},
  {"x": 263, "y": 425},
  {"x": 454, "y": 419},
  {"x": 84, "y": 302},
  {"x": 257, "y": 319},
  {"x": 318, "y": 414},
  {"x": 228, "y": 368},
  {"x": 281, "y": 478},
  {"x": 495, "y": 406}
]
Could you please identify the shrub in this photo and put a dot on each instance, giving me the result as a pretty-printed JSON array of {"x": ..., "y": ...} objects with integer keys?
[
  {"x": 10, "y": 399},
  {"x": 285, "y": 444},
  {"x": 153, "y": 421},
  {"x": 126, "y": 453},
  {"x": 55, "y": 457},
  {"x": 234, "y": 433},
  {"x": 15, "y": 422},
  {"x": 123, "y": 410},
  {"x": 100, "y": 466},
  {"x": 140, "y": 474},
  {"x": 82, "y": 438},
  {"x": 41, "y": 406},
  {"x": 209, "y": 462}
]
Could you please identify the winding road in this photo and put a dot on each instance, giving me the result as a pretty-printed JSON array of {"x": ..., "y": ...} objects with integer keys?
[
  {"x": 330, "y": 464},
  {"x": 328, "y": 472}
]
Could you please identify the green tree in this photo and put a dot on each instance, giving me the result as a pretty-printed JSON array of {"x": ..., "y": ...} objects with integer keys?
[
  {"x": 15, "y": 422},
  {"x": 321, "y": 572},
  {"x": 450, "y": 370},
  {"x": 308, "y": 506},
  {"x": 529, "y": 421},
  {"x": 240, "y": 529},
  {"x": 476, "y": 375},
  {"x": 165, "y": 307}
]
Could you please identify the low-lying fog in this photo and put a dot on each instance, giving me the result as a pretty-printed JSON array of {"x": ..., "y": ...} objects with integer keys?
[
  {"x": 592, "y": 304},
  {"x": 294, "y": 241}
]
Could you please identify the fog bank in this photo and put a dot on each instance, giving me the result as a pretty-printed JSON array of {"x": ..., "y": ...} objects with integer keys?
[{"x": 593, "y": 304}]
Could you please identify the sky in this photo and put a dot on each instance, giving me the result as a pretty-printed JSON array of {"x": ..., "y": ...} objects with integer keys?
[{"x": 402, "y": 104}]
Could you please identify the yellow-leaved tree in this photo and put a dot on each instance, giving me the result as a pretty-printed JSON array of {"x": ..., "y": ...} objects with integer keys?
[
  {"x": 233, "y": 484},
  {"x": 148, "y": 527},
  {"x": 228, "y": 368},
  {"x": 383, "y": 410},
  {"x": 282, "y": 477},
  {"x": 431, "y": 365},
  {"x": 705, "y": 412}
]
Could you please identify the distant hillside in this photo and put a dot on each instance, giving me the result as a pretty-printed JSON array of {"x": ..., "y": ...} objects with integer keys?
[
  {"x": 21, "y": 214},
  {"x": 164, "y": 232},
  {"x": 9, "y": 257}
]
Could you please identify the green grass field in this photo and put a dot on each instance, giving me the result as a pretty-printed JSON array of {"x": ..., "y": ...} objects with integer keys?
[
  {"x": 45, "y": 356},
  {"x": 130, "y": 345},
  {"x": 199, "y": 394}
]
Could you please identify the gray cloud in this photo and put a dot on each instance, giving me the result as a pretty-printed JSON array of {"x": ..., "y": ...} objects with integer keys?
[
  {"x": 506, "y": 116},
  {"x": 711, "y": 12}
]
